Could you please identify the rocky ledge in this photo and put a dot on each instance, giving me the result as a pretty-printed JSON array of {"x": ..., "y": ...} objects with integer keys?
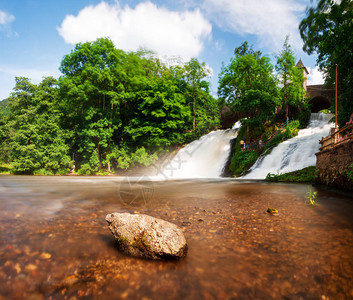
[{"x": 145, "y": 236}]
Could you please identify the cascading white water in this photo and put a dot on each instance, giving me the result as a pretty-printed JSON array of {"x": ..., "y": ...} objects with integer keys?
[
  {"x": 295, "y": 153},
  {"x": 203, "y": 158}
]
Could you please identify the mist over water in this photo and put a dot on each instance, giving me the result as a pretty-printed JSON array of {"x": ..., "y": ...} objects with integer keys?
[{"x": 296, "y": 153}]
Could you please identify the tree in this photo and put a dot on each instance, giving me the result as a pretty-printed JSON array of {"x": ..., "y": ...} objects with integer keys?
[
  {"x": 328, "y": 30},
  {"x": 4, "y": 131},
  {"x": 127, "y": 104},
  {"x": 161, "y": 114},
  {"x": 93, "y": 89},
  {"x": 108, "y": 108},
  {"x": 195, "y": 74},
  {"x": 248, "y": 85},
  {"x": 291, "y": 78},
  {"x": 37, "y": 142}
]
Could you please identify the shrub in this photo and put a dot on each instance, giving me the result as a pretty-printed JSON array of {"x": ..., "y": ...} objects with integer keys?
[
  {"x": 141, "y": 157},
  {"x": 242, "y": 161},
  {"x": 349, "y": 172},
  {"x": 304, "y": 175},
  {"x": 85, "y": 170},
  {"x": 42, "y": 172},
  {"x": 290, "y": 132}
]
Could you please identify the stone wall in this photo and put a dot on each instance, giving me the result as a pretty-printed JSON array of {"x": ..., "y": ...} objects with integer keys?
[{"x": 332, "y": 165}]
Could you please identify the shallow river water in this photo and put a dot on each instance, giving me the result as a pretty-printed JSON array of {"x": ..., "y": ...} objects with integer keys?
[{"x": 55, "y": 243}]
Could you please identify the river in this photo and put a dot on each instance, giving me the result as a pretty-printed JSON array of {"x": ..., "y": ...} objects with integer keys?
[{"x": 54, "y": 241}]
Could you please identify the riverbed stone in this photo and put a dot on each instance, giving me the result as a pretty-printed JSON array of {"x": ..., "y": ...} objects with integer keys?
[{"x": 145, "y": 236}]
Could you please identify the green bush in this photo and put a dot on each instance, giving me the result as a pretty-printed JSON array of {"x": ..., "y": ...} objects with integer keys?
[
  {"x": 42, "y": 172},
  {"x": 349, "y": 172},
  {"x": 141, "y": 157},
  {"x": 242, "y": 161},
  {"x": 290, "y": 132},
  {"x": 62, "y": 171},
  {"x": 85, "y": 170},
  {"x": 102, "y": 173},
  {"x": 307, "y": 174}
]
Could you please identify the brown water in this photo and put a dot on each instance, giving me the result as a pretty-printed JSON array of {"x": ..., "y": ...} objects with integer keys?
[{"x": 55, "y": 243}]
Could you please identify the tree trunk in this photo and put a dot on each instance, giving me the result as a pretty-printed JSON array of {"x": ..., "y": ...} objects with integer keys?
[
  {"x": 194, "y": 123},
  {"x": 100, "y": 166},
  {"x": 287, "y": 109},
  {"x": 194, "y": 106}
]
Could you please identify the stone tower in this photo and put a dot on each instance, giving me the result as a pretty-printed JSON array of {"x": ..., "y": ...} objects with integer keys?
[{"x": 300, "y": 65}]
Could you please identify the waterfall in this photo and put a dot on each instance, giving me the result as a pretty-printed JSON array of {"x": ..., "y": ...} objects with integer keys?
[
  {"x": 203, "y": 158},
  {"x": 295, "y": 153}
]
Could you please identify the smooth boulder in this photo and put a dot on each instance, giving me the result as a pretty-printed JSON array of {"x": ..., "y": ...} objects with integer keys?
[{"x": 146, "y": 236}]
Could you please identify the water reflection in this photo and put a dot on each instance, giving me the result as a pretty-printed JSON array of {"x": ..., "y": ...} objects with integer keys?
[{"x": 54, "y": 241}]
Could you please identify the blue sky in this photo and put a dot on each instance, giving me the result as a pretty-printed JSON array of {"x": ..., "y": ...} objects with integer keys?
[{"x": 36, "y": 34}]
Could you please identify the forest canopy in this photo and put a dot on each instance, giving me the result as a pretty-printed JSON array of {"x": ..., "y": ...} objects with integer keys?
[{"x": 109, "y": 109}]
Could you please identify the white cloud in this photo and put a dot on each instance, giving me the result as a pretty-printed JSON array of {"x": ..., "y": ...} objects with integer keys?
[
  {"x": 315, "y": 76},
  {"x": 169, "y": 33},
  {"x": 5, "y": 18},
  {"x": 270, "y": 21},
  {"x": 5, "y": 24}
]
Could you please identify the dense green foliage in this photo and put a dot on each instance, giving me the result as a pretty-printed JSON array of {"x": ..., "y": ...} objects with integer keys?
[
  {"x": 242, "y": 161},
  {"x": 108, "y": 109},
  {"x": 248, "y": 85},
  {"x": 304, "y": 175},
  {"x": 290, "y": 131},
  {"x": 266, "y": 100},
  {"x": 328, "y": 30},
  {"x": 35, "y": 139},
  {"x": 113, "y": 110}
]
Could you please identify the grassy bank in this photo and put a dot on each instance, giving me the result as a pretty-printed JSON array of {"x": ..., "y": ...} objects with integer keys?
[{"x": 304, "y": 175}]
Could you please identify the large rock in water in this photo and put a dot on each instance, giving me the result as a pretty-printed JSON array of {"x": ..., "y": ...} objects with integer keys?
[{"x": 145, "y": 236}]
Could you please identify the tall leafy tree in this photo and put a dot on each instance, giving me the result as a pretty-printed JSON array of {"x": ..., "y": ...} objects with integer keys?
[
  {"x": 328, "y": 29},
  {"x": 36, "y": 139},
  {"x": 291, "y": 78},
  {"x": 161, "y": 116},
  {"x": 195, "y": 75},
  {"x": 247, "y": 83},
  {"x": 4, "y": 131},
  {"x": 93, "y": 88}
]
